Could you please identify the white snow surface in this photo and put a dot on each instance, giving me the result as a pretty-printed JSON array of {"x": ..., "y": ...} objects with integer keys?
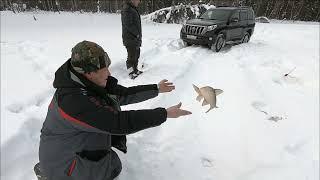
[{"x": 240, "y": 140}]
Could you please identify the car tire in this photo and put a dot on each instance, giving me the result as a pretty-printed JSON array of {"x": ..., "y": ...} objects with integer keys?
[
  {"x": 186, "y": 44},
  {"x": 245, "y": 38},
  {"x": 219, "y": 43}
]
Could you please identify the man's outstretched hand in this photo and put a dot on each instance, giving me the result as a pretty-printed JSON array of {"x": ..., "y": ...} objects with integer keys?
[
  {"x": 175, "y": 111},
  {"x": 165, "y": 86}
]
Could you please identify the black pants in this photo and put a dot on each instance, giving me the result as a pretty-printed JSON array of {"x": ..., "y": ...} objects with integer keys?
[
  {"x": 133, "y": 57},
  {"x": 116, "y": 163}
]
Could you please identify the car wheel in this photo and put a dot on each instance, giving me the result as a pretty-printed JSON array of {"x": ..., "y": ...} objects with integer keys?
[
  {"x": 219, "y": 43},
  {"x": 186, "y": 44},
  {"x": 246, "y": 38}
]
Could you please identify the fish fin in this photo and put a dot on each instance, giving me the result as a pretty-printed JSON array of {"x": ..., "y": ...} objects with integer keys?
[
  {"x": 209, "y": 109},
  {"x": 196, "y": 89},
  {"x": 204, "y": 102},
  {"x": 218, "y": 91},
  {"x": 199, "y": 98}
]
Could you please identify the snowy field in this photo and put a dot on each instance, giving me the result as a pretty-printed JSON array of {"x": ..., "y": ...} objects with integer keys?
[{"x": 266, "y": 126}]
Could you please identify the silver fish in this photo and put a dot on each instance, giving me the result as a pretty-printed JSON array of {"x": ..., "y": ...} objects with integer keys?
[{"x": 209, "y": 95}]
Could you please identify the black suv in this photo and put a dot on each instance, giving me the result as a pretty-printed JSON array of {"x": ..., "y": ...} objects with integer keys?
[{"x": 218, "y": 26}]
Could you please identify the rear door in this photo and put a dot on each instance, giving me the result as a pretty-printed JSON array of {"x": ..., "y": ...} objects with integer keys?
[
  {"x": 251, "y": 19},
  {"x": 243, "y": 22},
  {"x": 234, "y": 28}
]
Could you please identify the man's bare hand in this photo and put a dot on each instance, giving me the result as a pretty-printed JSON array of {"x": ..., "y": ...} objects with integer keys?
[
  {"x": 165, "y": 86},
  {"x": 175, "y": 111}
]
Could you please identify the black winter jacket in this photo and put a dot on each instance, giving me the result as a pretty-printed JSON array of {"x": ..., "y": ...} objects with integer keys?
[
  {"x": 84, "y": 121},
  {"x": 131, "y": 26}
]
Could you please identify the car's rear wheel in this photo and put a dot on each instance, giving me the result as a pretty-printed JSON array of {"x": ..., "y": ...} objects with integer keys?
[
  {"x": 219, "y": 43},
  {"x": 245, "y": 38}
]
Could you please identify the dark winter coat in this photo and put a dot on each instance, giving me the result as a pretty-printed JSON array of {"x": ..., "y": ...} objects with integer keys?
[
  {"x": 84, "y": 121},
  {"x": 131, "y": 26}
]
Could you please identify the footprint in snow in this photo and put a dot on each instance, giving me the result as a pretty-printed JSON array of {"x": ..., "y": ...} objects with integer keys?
[
  {"x": 38, "y": 100},
  {"x": 288, "y": 80},
  {"x": 206, "y": 162},
  {"x": 262, "y": 107},
  {"x": 15, "y": 108},
  {"x": 296, "y": 147}
]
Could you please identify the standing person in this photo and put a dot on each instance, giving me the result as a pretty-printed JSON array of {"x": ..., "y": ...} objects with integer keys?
[
  {"x": 131, "y": 35},
  {"x": 84, "y": 119}
]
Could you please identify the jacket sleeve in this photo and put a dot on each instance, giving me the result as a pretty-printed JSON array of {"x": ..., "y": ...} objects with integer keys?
[
  {"x": 127, "y": 19},
  {"x": 130, "y": 95},
  {"x": 137, "y": 94},
  {"x": 94, "y": 117}
]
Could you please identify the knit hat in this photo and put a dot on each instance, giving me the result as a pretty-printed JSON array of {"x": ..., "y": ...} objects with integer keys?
[{"x": 89, "y": 57}]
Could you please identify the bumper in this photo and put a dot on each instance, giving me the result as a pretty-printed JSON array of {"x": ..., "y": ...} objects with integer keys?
[{"x": 201, "y": 40}]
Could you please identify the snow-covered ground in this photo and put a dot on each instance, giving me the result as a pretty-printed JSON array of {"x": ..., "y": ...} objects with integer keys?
[{"x": 266, "y": 126}]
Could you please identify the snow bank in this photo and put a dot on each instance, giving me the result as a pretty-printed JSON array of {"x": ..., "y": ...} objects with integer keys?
[
  {"x": 177, "y": 14},
  {"x": 262, "y": 19}
]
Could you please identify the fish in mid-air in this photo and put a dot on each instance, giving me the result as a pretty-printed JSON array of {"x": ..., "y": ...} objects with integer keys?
[{"x": 209, "y": 95}]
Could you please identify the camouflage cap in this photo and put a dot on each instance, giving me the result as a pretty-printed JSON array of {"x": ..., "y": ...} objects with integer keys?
[{"x": 89, "y": 57}]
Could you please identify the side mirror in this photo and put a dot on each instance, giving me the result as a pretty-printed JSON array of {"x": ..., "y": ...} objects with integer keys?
[{"x": 234, "y": 20}]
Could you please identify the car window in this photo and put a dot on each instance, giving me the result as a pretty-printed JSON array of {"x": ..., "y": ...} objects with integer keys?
[
  {"x": 235, "y": 15},
  {"x": 216, "y": 14},
  {"x": 243, "y": 15},
  {"x": 250, "y": 15}
]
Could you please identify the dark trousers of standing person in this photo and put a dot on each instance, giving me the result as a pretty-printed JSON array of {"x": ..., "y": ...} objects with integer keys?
[{"x": 133, "y": 57}]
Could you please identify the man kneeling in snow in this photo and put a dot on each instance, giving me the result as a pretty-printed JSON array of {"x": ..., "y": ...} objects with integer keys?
[{"x": 84, "y": 118}]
